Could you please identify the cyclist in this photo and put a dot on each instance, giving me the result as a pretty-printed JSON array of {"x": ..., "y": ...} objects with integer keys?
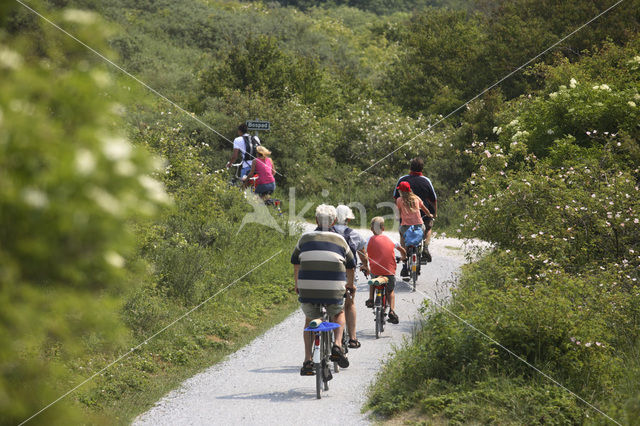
[
  {"x": 323, "y": 269},
  {"x": 382, "y": 262},
  {"x": 422, "y": 187},
  {"x": 409, "y": 206},
  {"x": 239, "y": 150},
  {"x": 356, "y": 244},
  {"x": 263, "y": 166}
]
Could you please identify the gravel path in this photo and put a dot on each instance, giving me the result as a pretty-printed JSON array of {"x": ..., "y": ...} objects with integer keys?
[{"x": 261, "y": 385}]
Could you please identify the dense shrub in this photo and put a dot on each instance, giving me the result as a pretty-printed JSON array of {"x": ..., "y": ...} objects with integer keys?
[
  {"x": 70, "y": 182},
  {"x": 556, "y": 192}
]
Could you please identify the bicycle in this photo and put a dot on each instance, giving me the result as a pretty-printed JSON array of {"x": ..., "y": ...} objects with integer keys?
[
  {"x": 380, "y": 304},
  {"x": 414, "y": 254},
  {"x": 322, "y": 331},
  {"x": 236, "y": 179}
]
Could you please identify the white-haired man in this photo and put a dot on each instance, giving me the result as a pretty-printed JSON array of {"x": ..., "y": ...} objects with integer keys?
[
  {"x": 356, "y": 244},
  {"x": 323, "y": 269}
]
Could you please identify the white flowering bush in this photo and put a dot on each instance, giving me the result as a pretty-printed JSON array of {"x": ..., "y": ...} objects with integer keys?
[
  {"x": 70, "y": 182},
  {"x": 556, "y": 190}
]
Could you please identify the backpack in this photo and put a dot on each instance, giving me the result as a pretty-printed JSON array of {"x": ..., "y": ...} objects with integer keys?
[
  {"x": 413, "y": 236},
  {"x": 250, "y": 145}
]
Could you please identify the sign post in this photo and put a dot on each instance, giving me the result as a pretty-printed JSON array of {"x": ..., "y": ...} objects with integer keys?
[{"x": 258, "y": 125}]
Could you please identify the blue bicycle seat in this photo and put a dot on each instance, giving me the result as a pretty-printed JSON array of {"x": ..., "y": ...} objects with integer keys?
[{"x": 324, "y": 326}]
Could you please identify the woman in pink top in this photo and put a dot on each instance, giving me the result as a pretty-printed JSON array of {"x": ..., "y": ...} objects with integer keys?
[
  {"x": 409, "y": 205},
  {"x": 264, "y": 168}
]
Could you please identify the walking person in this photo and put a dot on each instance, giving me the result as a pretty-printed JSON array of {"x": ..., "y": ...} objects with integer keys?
[
  {"x": 244, "y": 147},
  {"x": 356, "y": 244}
]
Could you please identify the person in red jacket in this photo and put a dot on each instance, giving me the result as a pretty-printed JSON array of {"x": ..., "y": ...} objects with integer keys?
[{"x": 381, "y": 261}]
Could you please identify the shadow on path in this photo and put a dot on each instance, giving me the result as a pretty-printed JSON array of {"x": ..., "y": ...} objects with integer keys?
[
  {"x": 291, "y": 395},
  {"x": 286, "y": 369}
]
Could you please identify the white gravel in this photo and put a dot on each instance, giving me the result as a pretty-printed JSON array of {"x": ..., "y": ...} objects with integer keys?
[{"x": 261, "y": 385}]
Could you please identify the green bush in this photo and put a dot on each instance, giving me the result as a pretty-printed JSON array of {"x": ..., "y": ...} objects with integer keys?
[{"x": 70, "y": 181}]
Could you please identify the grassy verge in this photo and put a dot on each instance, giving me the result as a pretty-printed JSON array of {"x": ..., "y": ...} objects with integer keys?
[
  {"x": 195, "y": 343},
  {"x": 563, "y": 325}
]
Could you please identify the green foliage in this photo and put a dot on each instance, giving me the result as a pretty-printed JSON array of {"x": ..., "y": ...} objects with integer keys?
[
  {"x": 69, "y": 183},
  {"x": 264, "y": 68},
  {"x": 441, "y": 53},
  {"x": 377, "y": 6},
  {"x": 551, "y": 181},
  {"x": 449, "y": 56},
  {"x": 555, "y": 190}
]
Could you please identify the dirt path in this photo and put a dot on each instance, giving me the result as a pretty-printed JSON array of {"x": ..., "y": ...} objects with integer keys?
[{"x": 261, "y": 384}]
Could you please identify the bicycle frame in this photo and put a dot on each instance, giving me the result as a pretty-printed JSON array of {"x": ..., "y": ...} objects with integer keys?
[{"x": 380, "y": 303}]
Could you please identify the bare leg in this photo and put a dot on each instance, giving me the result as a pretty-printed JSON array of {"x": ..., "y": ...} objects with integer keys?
[
  {"x": 308, "y": 337},
  {"x": 392, "y": 300},
  {"x": 350, "y": 315},
  {"x": 337, "y": 332},
  {"x": 428, "y": 237}
]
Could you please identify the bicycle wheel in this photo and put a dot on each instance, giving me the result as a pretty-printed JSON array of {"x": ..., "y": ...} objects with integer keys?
[
  {"x": 318, "y": 379},
  {"x": 414, "y": 278},
  {"x": 326, "y": 353},
  {"x": 378, "y": 321}
]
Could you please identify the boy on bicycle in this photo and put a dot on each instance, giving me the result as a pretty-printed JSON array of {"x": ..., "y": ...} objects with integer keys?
[
  {"x": 323, "y": 269},
  {"x": 382, "y": 262}
]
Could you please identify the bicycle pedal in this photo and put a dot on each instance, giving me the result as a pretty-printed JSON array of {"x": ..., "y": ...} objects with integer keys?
[{"x": 326, "y": 374}]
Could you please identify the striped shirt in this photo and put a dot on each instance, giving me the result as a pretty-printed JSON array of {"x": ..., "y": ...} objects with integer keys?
[{"x": 324, "y": 258}]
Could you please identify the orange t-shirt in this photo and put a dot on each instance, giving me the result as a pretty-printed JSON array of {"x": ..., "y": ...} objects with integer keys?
[
  {"x": 382, "y": 258},
  {"x": 408, "y": 216}
]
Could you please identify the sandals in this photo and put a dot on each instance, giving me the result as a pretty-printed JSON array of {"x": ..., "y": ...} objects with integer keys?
[
  {"x": 369, "y": 303},
  {"x": 393, "y": 318},
  {"x": 354, "y": 343},
  {"x": 307, "y": 369},
  {"x": 337, "y": 355}
]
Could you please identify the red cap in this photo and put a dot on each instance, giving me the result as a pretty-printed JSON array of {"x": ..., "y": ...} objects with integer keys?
[{"x": 404, "y": 187}]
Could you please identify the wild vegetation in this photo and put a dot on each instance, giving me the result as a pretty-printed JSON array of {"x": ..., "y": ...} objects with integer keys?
[{"x": 116, "y": 217}]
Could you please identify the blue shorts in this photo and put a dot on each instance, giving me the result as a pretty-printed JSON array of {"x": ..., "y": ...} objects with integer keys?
[
  {"x": 265, "y": 188},
  {"x": 245, "y": 171}
]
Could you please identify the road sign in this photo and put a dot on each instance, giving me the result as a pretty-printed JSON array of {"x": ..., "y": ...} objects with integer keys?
[{"x": 258, "y": 125}]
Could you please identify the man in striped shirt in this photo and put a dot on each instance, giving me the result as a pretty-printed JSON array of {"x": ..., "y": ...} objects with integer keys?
[{"x": 323, "y": 269}]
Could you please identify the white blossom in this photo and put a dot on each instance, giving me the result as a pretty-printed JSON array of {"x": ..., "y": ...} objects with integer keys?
[
  {"x": 78, "y": 16},
  {"x": 35, "y": 197},
  {"x": 85, "y": 161},
  {"x": 106, "y": 201},
  {"x": 155, "y": 189},
  {"x": 114, "y": 259},
  {"x": 9, "y": 58},
  {"x": 125, "y": 168},
  {"x": 116, "y": 148}
]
